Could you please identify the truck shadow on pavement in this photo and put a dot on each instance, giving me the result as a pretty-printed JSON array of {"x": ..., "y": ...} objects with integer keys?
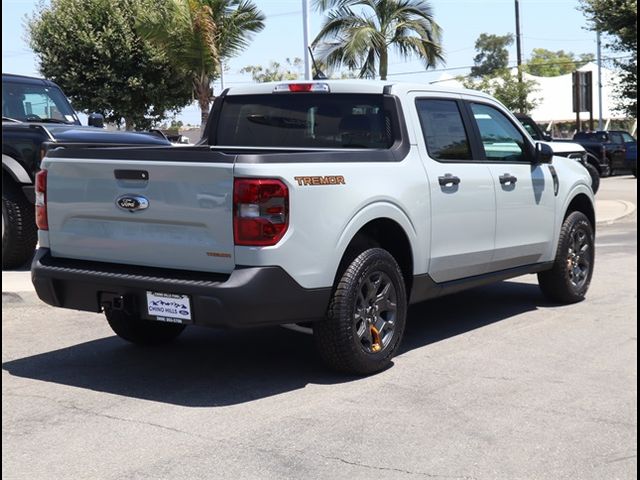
[{"x": 208, "y": 368}]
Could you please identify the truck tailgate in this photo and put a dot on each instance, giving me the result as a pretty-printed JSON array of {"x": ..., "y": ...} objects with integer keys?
[{"x": 94, "y": 210}]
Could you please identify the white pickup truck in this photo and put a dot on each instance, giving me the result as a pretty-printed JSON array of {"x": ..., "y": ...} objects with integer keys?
[{"x": 330, "y": 203}]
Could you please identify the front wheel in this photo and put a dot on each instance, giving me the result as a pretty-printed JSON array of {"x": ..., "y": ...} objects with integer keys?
[
  {"x": 605, "y": 170},
  {"x": 569, "y": 279},
  {"x": 142, "y": 332},
  {"x": 366, "y": 316},
  {"x": 595, "y": 177}
]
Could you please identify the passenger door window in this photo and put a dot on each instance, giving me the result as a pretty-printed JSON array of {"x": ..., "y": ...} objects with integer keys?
[
  {"x": 628, "y": 138},
  {"x": 443, "y": 130},
  {"x": 616, "y": 138},
  {"x": 501, "y": 140}
]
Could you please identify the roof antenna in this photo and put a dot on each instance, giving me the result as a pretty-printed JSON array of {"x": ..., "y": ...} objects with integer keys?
[{"x": 319, "y": 73}]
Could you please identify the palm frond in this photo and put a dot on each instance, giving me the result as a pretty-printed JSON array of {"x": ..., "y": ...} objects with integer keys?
[{"x": 359, "y": 32}]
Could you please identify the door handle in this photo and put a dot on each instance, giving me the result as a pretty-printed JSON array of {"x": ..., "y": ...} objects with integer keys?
[
  {"x": 448, "y": 180},
  {"x": 131, "y": 175},
  {"x": 508, "y": 179}
]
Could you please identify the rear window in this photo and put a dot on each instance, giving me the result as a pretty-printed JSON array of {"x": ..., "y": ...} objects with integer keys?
[{"x": 305, "y": 121}]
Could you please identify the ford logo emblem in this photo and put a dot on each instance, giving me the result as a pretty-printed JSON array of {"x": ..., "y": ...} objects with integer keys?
[{"x": 132, "y": 203}]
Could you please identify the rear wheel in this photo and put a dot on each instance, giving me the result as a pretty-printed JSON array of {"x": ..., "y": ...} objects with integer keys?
[
  {"x": 19, "y": 231},
  {"x": 366, "y": 316},
  {"x": 142, "y": 332},
  {"x": 569, "y": 279}
]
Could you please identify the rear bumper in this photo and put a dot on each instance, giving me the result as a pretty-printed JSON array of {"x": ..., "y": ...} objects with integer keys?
[{"x": 250, "y": 296}]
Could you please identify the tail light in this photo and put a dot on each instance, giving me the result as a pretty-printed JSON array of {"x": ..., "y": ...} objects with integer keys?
[
  {"x": 260, "y": 211},
  {"x": 42, "y": 220}
]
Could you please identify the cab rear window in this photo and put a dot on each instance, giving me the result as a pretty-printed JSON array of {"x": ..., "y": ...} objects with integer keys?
[{"x": 305, "y": 121}]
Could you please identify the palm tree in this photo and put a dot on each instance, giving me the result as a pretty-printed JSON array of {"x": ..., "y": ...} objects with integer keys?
[
  {"x": 196, "y": 35},
  {"x": 361, "y": 38}
]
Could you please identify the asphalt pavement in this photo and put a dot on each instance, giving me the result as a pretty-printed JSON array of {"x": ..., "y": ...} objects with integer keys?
[{"x": 492, "y": 383}]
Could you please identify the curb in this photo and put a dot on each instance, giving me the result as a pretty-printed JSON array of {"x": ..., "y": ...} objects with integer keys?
[{"x": 629, "y": 209}]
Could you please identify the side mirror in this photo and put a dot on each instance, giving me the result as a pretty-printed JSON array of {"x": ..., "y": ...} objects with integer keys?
[
  {"x": 544, "y": 153},
  {"x": 547, "y": 138},
  {"x": 96, "y": 120}
]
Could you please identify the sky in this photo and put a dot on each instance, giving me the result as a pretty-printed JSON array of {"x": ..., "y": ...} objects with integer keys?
[{"x": 551, "y": 24}]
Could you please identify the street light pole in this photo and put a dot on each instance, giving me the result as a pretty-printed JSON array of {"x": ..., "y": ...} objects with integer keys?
[
  {"x": 600, "y": 127},
  {"x": 305, "y": 27}
]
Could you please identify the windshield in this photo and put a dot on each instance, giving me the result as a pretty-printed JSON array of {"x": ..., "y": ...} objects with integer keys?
[
  {"x": 36, "y": 103},
  {"x": 305, "y": 121},
  {"x": 531, "y": 128}
]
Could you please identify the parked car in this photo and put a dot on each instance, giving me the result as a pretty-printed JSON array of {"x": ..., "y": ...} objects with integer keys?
[
  {"x": 332, "y": 203},
  {"x": 565, "y": 149},
  {"x": 36, "y": 116}
]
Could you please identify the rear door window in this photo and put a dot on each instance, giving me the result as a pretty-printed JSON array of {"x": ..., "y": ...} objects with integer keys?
[
  {"x": 443, "y": 129},
  {"x": 305, "y": 121}
]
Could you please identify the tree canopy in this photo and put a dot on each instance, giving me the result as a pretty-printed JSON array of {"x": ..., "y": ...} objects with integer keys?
[
  {"x": 196, "y": 35},
  {"x": 358, "y": 34},
  {"x": 275, "y": 71},
  {"x": 619, "y": 20},
  {"x": 546, "y": 63},
  {"x": 492, "y": 56},
  {"x": 91, "y": 48},
  {"x": 505, "y": 87}
]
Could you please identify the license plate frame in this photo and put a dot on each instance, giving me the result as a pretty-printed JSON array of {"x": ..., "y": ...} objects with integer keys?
[{"x": 169, "y": 307}]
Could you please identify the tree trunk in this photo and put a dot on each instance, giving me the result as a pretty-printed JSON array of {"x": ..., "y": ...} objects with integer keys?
[
  {"x": 203, "y": 94},
  {"x": 129, "y": 124},
  {"x": 384, "y": 63}
]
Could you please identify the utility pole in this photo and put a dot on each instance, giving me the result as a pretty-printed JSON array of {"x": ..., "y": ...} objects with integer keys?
[
  {"x": 519, "y": 55},
  {"x": 305, "y": 27},
  {"x": 599, "y": 82}
]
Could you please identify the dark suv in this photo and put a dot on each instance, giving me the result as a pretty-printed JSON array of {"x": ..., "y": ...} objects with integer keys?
[{"x": 36, "y": 116}]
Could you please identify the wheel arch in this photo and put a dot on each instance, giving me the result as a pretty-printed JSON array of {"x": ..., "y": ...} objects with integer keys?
[
  {"x": 582, "y": 203},
  {"x": 390, "y": 232},
  {"x": 15, "y": 170},
  {"x": 593, "y": 160}
]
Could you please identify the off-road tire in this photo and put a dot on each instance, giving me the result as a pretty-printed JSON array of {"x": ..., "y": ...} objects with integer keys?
[
  {"x": 142, "y": 332},
  {"x": 595, "y": 177},
  {"x": 337, "y": 338},
  {"x": 19, "y": 231},
  {"x": 557, "y": 284},
  {"x": 605, "y": 170}
]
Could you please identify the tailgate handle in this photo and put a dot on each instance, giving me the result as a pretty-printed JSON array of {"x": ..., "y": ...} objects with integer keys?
[{"x": 131, "y": 175}]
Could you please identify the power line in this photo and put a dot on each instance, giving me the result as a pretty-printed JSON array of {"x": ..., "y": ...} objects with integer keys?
[
  {"x": 511, "y": 64},
  {"x": 558, "y": 39}
]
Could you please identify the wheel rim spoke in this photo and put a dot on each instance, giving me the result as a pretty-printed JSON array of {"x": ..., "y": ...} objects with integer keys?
[
  {"x": 375, "y": 311},
  {"x": 579, "y": 257}
]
